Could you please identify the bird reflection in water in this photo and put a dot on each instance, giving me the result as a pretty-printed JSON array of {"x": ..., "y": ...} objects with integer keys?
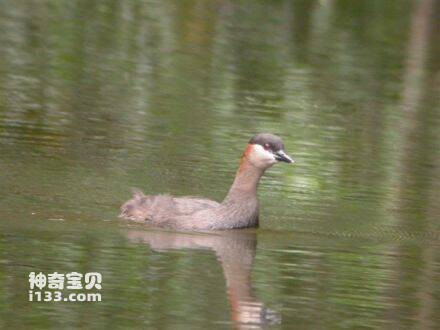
[{"x": 235, "y": 251}]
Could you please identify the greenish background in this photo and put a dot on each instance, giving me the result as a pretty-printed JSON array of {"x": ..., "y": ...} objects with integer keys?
[{"x": 97, "y": 97}]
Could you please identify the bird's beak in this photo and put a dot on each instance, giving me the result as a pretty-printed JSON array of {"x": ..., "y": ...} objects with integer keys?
[{"x": 281, "y": 156}]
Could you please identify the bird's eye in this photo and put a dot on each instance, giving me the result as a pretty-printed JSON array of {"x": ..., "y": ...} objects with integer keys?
[{"x": 266, "y": 146}]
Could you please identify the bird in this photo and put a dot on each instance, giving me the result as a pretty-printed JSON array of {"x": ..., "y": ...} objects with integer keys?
[{"x": 239, "y": 209}]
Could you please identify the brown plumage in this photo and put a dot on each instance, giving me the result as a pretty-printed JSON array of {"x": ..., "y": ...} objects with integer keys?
[{"x": 238, "y": 210}]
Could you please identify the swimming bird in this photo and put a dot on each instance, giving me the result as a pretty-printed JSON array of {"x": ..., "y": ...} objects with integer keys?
[{"x": 239, "y": 209}]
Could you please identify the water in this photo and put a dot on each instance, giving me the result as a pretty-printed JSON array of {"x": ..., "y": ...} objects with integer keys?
[{"x": 96, "y": 98}]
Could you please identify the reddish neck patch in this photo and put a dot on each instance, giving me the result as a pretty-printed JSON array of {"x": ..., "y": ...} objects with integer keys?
[{"x": 244, "y": 162}]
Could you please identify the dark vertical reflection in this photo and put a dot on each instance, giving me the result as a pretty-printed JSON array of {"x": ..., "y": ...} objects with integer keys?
[
  {"x": 300, "y": 15},
  {"x": 417, "y": 183},
  {"x": 257, "y": 59},
  {"x": 235, "y": 251}
]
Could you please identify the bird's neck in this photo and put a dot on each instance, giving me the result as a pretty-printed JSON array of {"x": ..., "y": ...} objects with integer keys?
[{"x": 246, "y": 180}]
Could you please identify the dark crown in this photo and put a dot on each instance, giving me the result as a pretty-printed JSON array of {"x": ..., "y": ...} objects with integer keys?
[{"x": 265, "y": 139}]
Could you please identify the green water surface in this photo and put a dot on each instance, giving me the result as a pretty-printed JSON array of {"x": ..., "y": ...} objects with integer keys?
[{"x": 97, "y": 97}]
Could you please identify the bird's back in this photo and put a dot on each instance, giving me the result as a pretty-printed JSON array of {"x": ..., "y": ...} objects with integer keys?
[{"x": 163, "y": 210}]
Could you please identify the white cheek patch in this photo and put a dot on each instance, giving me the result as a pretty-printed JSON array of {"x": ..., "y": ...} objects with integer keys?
[{"x": 260, "y": 154}]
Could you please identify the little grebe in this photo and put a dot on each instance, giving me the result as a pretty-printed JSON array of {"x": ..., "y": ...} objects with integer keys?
[{"x": 238, "y": 210}]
